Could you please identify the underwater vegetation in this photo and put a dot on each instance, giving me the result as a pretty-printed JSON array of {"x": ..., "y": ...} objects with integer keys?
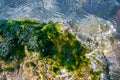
[{"x": 52, "y": 43}]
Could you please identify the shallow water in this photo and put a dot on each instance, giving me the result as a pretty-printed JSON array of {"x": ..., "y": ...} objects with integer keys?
[{"x": 42, "y": 9}]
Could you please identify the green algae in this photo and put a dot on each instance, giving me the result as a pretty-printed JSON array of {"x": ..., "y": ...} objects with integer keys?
[
  {"x": 58, "y": 47},
  {"x": 32, "y": 64},
  {"x": 95, "y": 74}
]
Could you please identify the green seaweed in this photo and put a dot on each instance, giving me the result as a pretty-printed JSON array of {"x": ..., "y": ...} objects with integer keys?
[
  {"x": 56, "y": 69},
  {"x": 32, "y": 64},
  {"x": 47, "y": 39},
  {"x": 95, "y": 74},
  {"x": 10, "y": 69}
]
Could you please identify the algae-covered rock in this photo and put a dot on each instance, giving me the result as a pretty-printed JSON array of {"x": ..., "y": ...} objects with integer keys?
[{"x": 42, "y": 50}]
